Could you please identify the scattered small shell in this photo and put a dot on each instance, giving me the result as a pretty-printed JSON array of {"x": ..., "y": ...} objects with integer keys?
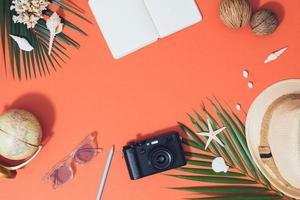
[
  {"x": 245, "y": 73},
  {"x": 274, "y": 55},
  {"x": 22, "y": 43},
  {"x": 219, "y": 165},
  {"x": 250, "y": 84},
  {"x": 238, "y": 106}
]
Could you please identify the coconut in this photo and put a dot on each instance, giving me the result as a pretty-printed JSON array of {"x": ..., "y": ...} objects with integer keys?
[
  {"x": 20, "y": 134},
  {"x": 235, "y": 13},
  {"x": 264, "y": 22}
]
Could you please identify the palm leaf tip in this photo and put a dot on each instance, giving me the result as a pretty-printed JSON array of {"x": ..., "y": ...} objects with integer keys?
[{"x": 191, "y": 134}]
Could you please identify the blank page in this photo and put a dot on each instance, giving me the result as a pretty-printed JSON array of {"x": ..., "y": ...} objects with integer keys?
[
  {"x": 170, "y": 16},
  {"x": 125, "y": 24}
]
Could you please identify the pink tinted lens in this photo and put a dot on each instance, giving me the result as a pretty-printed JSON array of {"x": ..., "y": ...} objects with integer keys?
[
  {"x": 86, "y": 153},
  {"x": 61, "y": 175}
]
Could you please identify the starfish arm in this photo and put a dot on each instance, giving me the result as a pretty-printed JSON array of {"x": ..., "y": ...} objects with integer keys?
[
  {"x": 211, "y": 130},
  {"x": 218, "y": 141},
  {"x": 208, "y": 142},
  {"x": 219, "y": 131},
  {"x": 204, "y": 134}
]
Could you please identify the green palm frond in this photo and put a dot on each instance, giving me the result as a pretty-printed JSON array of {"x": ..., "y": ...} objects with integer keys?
[
  {"x": 243, "y": 180},
  {"x": 37, "y": 62}
]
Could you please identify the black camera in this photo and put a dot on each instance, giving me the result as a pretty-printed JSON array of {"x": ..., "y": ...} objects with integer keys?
[{"x": 154, "y": 155}]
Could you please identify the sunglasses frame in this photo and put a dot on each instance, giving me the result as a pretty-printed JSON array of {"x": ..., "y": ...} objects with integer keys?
[{"x": 71, "y": 161}]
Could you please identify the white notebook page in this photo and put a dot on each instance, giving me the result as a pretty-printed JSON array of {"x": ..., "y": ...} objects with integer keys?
[
  {"x": 125, "y": 24},
  {"x": 170, "y": 16}
]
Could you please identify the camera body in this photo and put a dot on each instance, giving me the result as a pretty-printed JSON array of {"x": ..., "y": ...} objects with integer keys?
[{"x": 154, "y": 155}]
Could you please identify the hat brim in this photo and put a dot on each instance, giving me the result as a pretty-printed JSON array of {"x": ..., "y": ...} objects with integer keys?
[{"x": 253, "y": 126}]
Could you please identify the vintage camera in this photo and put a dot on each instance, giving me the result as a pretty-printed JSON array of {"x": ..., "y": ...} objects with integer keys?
[{"x": 154, "y": 155}]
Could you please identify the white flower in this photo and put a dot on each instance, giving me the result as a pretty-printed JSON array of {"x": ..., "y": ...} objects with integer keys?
[{"x": 28, "y": 11}]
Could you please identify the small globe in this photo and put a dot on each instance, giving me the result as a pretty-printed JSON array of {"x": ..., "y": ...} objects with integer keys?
[{"x": 20, "y": 134}]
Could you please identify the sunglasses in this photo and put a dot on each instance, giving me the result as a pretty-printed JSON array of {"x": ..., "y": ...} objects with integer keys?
[{"x": 64, "y": 171}]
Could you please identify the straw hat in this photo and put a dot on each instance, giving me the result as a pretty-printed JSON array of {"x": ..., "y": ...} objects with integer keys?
[{"x": 273, "y": 135}]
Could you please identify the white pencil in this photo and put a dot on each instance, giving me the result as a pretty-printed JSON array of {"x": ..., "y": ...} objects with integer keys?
[{"x": 105, "y": 173}]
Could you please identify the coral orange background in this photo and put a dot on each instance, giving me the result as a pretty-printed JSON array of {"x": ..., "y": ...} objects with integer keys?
[{"x": 144, "y": 92}]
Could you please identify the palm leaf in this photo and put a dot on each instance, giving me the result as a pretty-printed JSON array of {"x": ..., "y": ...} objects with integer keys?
[
  {"x": 199, "y": 163},
  {"x": 191, "y": 143},
  {"x": 217, "y": 179},
  {"x": 242, "y": 197},
  {"x": 192, "y": 135},
  {"x": 224, "y": 189},
  {"x": 238, "y": 142},
  {"x": 69, "y": 7},
  {"x": 243, "y": 180},
  {"x": 204, "y": 171},
  {"x": 37, "y": 62},
  {"x": 197, "y": 155},
  {"x": 3, "y": 30}
]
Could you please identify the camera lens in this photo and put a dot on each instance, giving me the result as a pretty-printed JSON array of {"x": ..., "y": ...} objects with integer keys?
[{"x": 161, "y": 158}]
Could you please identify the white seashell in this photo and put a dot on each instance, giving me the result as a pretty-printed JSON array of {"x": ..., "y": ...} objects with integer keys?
[
  {"x": 55, "y": 27},
  {"x": 219, "y": 165},
  {"x": 250, "y": 84},
  {"x": 238, "y": 106},
  {"x": 274, "y": 55},
  {"x": 59, "y": 29},
  {"x": 22, "y": 43},
  {"x": 245, "y": 73}
]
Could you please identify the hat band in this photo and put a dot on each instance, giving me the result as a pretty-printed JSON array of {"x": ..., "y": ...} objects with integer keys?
[
  {"x": 264, "y": 147},
  {"x": 265, "y": 152}
]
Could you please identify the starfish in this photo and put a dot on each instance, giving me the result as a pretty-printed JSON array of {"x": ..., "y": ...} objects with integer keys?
[{"x": 212, "y": 135}]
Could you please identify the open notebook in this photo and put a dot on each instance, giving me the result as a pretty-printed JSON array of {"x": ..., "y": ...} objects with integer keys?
[{"x": 129, "y": 25}]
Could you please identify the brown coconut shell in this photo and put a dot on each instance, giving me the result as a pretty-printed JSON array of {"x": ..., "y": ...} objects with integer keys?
[
  {"x": 235, "y": 13},
  {"x": 264, "y": 22}
]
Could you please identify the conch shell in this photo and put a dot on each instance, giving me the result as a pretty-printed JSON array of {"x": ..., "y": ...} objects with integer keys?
[
  {"x": 55, "y": 27},
  {"x": 22, "y": 43}
]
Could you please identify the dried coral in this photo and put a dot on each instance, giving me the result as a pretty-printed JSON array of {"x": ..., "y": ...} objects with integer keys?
[{"x": 28, "y": 11}]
